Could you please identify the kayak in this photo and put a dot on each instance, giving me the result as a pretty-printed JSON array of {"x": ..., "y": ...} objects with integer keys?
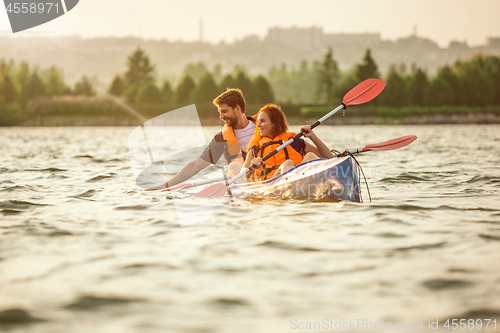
[{"x": 335, "y": 179}]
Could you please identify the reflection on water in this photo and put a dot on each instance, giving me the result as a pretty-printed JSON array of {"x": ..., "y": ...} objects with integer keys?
[{"x": 82, "y": 247}]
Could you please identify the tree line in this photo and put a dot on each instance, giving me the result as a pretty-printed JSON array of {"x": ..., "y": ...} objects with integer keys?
[
  {"x": 471, "y": 82},
  {"x": 197, "y": 84},
  {"x": 21, "y": 83}
]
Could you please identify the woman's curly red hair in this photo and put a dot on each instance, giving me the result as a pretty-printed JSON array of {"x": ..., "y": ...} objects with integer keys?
[{"x": 278, "y": 120}]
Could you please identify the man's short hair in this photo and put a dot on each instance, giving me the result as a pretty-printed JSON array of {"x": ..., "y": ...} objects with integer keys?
[{"x": 231, "y": 97}]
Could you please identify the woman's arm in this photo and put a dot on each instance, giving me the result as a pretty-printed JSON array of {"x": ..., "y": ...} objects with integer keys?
[
  {"x": 251, "y": 159},
  {"x": 248, "y": 159},
  {"x": 321, "y": 149}
]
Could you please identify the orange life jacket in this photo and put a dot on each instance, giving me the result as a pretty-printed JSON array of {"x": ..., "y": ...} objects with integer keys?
[
  {"x": 266, "y": 145},
  {"x": 232, "y": 150}
]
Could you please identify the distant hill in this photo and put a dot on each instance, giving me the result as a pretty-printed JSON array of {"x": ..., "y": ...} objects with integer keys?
[{"x": 105, "y": 57}]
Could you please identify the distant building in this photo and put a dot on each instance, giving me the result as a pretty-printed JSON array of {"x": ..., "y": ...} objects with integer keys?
[
  {"x": 251, "y": 39},
  {"x": 367, "y": 39},
  {"x": 493, "y": 41},
  {"x": 297, "y": 37},
  {"x": 314, "y": 37}
]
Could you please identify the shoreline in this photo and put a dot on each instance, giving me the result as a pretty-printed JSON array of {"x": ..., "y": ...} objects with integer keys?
[{"x": 435, "y": 119}]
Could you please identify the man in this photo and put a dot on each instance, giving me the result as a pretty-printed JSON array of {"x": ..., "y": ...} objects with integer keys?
[{"x": 231, "y": 142}]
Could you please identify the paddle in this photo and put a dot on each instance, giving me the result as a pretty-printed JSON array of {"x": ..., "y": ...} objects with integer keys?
[
  {"x": 400, "y": 142},
  {"x": 362, "y": 93},
  {"x": 188, "y": 185},
  {"x": 386, "y": 145}
]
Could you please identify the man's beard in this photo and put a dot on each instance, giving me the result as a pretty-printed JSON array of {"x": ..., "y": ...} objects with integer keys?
[{"x": 231, "y": 122}]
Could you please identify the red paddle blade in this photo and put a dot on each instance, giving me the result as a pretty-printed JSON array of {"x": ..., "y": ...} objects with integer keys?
[
  {"x": 177, "y": 187},
  {"x": 216, "y": 190},
  {"x": 392, "y": 144},
  {"x": 364, "y": 92}
]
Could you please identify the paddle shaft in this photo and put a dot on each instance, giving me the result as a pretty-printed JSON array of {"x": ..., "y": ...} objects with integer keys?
[
  {"x": 355, "y": 151},
  {"x": 358, "y": 151},
  {"x": 386, "y": 145},
  {"x": 208, "y": 181},
  {"x": 220, "y": 189},
  {"x": 297, "y": 136}
]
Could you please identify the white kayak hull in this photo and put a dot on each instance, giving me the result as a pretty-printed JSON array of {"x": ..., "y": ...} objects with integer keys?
[{"x": 335, "y": 179}]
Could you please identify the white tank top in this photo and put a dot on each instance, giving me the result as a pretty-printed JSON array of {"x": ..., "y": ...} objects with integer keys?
[{"x": 244, "y": 135}]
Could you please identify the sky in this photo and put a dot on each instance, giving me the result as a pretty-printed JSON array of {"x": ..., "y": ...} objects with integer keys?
[{"x": 226, "y": 20}]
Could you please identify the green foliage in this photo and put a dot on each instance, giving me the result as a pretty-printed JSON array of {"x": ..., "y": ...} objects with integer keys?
[
  {"x": 195, "y": 71},
  {"x": 6, "y": 67},
  {"x": 131, "y": 93},
  {"x": 34, "y": 86},
  {"x": 7, "y": 88},
  {"x": 417, "y": 86},
  {"x": 148, "y": 93},
  {"x": 84, "y": 87},
  {"x": 21, "y": 78},
  {"x": 327, "y": 77},
  {"x": 349, "y": 80},
  {"x": 315, "y": 111},
  {"x": 477, "y": 86},
  {"x": 263, "y": 91},
  {"x": 386, "y": 112},
  {"x": 296, "y": 85},
  {"x": 439, "y": 92},
  {"x": 368, "y": 68},
  {"x": 466, "y": 86},
  {"x": 167, "y": 92},
  {"x": 244, "y": 83},
  {"x": 184, "y": 91},
  {"x": 117, "y": 86},
  {"x": 139, "y": 68},
  {"x": 11, "y": 113},
  {"x": 227, "y": 82},
  {"x": 396, "y": 91},
  {"x": 493, "y": 64},
  {"x": 448, "y": 75},
  {"x": 73, "y": 105},
  {"x": 207, "y": 90},
  {"x": 217, "y": 72},
  {"x": 54, "y": 83}
]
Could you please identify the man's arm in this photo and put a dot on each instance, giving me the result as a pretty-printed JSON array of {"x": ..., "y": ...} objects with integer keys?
[
  {"x": 187, "y": 172},
  {"x": 210, "y": 155}
]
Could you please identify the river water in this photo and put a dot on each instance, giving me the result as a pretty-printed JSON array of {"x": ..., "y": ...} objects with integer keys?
[{"x": 83, "y": 248}]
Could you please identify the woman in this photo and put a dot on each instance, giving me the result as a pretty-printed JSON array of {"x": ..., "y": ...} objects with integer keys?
[{"x": 270, "y": 133}]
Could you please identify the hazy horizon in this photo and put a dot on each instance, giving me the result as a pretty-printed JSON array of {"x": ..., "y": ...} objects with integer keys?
[{"x": 441, "y": 21}]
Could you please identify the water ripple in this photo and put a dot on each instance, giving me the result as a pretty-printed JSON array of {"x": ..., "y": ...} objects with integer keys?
[
  {"x": 422, "y": 247},
  {"x": 406, "y": 178},
  {"x": 483, "y": 179},
  {"x": 47, "y": 170},
  {"x": 101, "y": 178},
  {"x": 437, "y": 284},
  {"x": 93, "y": 303},
  {"x": 12, "y": 318},
  {"x": 135, "y": 207},
  {"x": 86, "y": 194},
  {"x": 18, "y": 204},
  {"x": 490, "y": 237}
]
